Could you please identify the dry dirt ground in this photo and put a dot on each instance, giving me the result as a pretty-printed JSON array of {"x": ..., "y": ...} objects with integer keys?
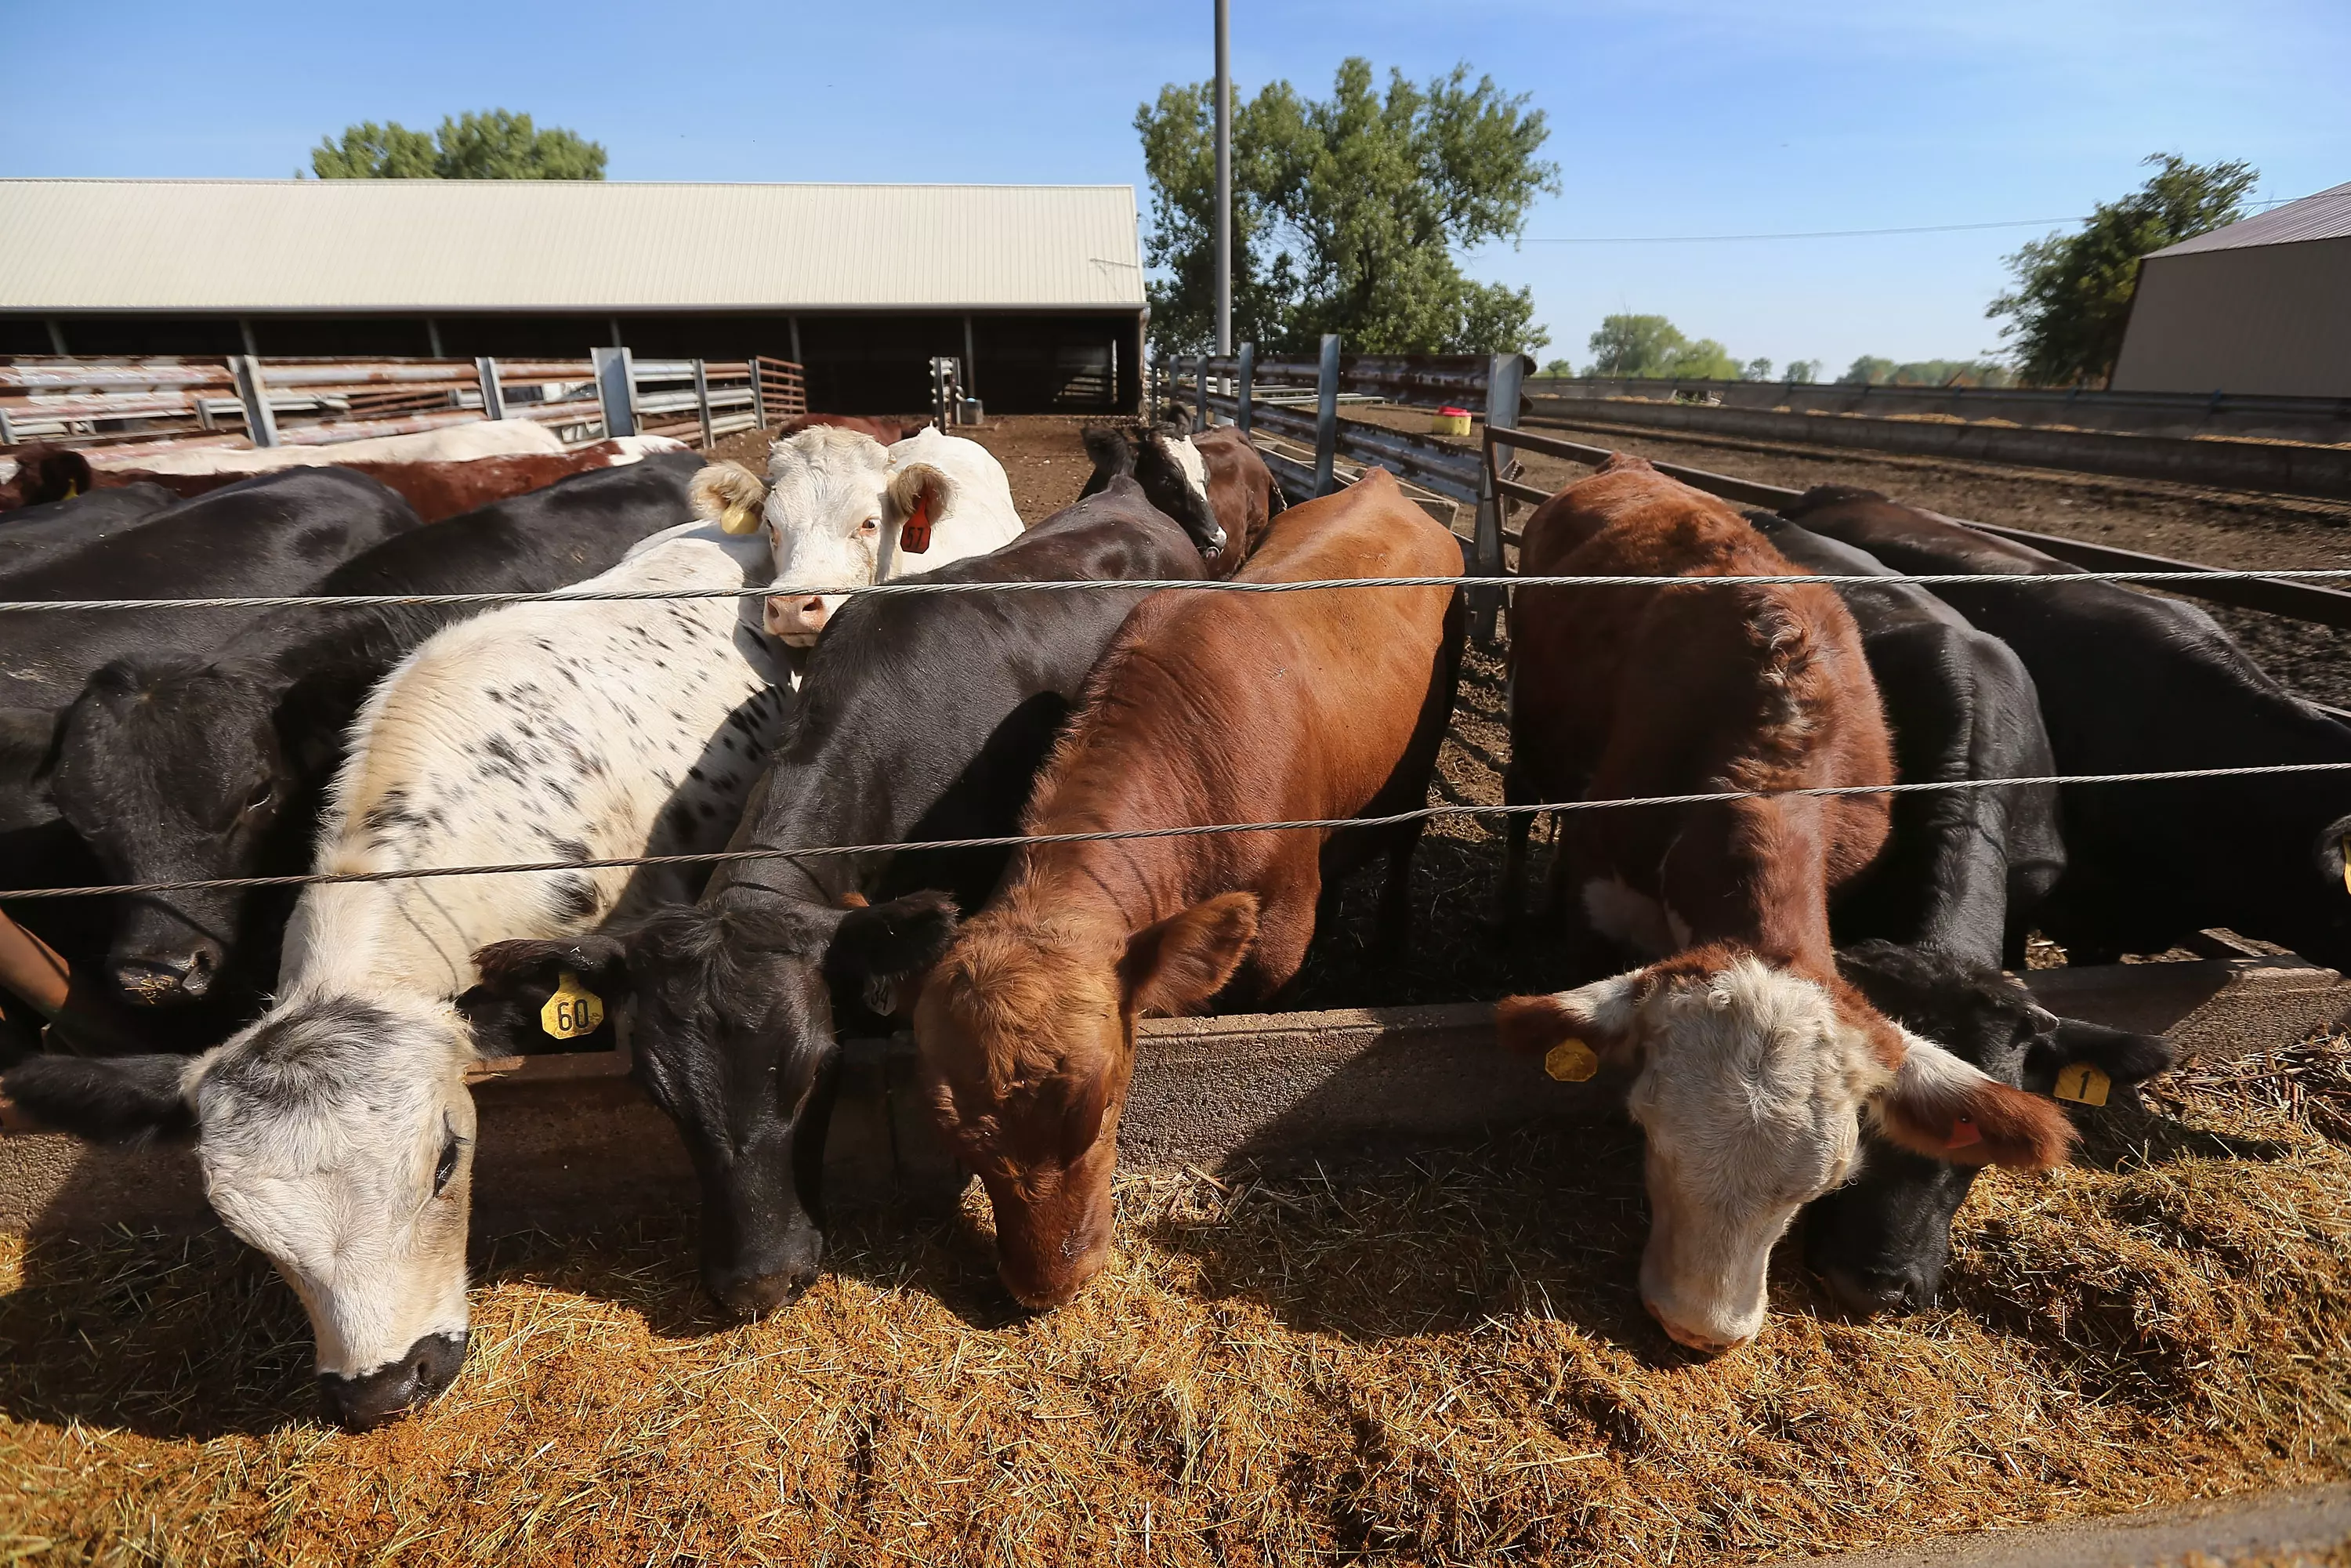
[{"x": 1432, "y": 1357}]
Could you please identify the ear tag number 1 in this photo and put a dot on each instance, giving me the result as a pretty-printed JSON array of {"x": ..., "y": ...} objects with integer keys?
[
  {"x": 573, "y": 1011},
  {"x": 1571, "y": 1062},
  {"x": 2083, "y": 1085}
]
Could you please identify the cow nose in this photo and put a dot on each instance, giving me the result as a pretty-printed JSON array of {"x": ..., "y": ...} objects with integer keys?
[
  {"x": 750, "y": 1293},
  {"x": 1865, "y": 1292},
  {"x": 795, "y": 617},
  {"x": 150, "y": 979},
  {"x": 1691, "y": 1339},
  {"x": 356, "y": 1404}
]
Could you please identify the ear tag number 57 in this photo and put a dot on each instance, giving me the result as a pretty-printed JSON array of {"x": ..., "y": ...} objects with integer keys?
[{"x": 573, "y": 1011}]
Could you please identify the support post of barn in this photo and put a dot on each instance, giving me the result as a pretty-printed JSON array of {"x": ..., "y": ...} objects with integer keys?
[
  {"x": 1326, "y": 414},
  {"x": 260, "y": 419},
  {"x": 616, "y": 390},
  {"x": 1200, "y": 420},
  {"x": 493, "y": 397},
  {"x": 702, "y": 399},
  {"x": 1504, "y": 375},
  {"x": 1248, "y": 371}
]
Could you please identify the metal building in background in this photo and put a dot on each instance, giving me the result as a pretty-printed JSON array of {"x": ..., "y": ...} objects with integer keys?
[
  {"x": 2262, "y": 306},
  {"x": 1039, "y": 289}
]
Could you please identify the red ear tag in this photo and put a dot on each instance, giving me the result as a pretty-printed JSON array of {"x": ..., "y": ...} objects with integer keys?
[
  {"x": 1963, "y": 1133},
  {"x": 916, "y": 537}
]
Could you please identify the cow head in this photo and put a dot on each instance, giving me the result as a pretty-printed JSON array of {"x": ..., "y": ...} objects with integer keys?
[
  {"x": 1750, "y": 1081},
  {"x": 1880, "y": 1242},
  {"x": 177, "y": 773},
  {"x": 1173, "y": 476},
  {"x": 732, "y": 1032},
  {"x": 335, "y": 1135},
  {"x": 1026, "y": 1037},
  {"x": 821, "y": 503}
]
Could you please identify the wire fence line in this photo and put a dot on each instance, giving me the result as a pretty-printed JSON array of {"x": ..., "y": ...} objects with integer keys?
[
  {"x": 1118, "y": 835},
  {"x": 1151, "y": 585}
]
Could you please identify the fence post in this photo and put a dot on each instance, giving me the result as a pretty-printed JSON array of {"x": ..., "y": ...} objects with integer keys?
[
  {"x": 1241, "y": 389},
  {"x": 1326, "y": 414},
  {"x": 616, "y": 390},
  {"x": 1200, "y": 418},
  {"x": 702, "y": 399},
  {"x": 493, "y": 397},
  {"x": 758, "y": 395},
  {"x": 260, "y": 419},
  {"x": 8, "y": 431},
  {"x": 1504, "y": 377}
]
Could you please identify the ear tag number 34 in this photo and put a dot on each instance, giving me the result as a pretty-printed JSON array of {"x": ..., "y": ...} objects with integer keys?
[{"x": 573, "y": 1011}]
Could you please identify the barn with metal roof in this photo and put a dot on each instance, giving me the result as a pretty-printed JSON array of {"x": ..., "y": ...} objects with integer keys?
[
  {"x": 2262, "y": 306},
  {"x": 1039, "y": 289}
]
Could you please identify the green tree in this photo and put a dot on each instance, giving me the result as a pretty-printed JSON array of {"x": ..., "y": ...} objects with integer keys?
[
  {"x": 495, "y": 145},
  {"x": 1757, "y": 369},
  {"x": 1802, "y": 372},
  {"x": 1346, "y": 213},
  {"x": 1868, "y": 371},
  {"x": 1653, "y": 346},
  {"x": 2073, "y": 292}
]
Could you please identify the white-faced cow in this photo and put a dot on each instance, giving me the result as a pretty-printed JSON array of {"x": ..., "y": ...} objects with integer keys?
[
  {"x": 1753, "y": 1062},
  {"x": 841, "y": 509},
  {"x": 336, "y": 1133}
]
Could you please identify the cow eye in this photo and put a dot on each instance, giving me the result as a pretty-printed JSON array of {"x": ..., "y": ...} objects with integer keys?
[
  {"x": 448, "y": 1165},
  {"x": 869, "y": 526},
  {"x": 259, "y": 796}
]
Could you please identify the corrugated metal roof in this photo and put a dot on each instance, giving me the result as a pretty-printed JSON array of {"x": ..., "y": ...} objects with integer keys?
[
  {"x": 2327, "y": 215},
  {"x": 531, "y": 245}
]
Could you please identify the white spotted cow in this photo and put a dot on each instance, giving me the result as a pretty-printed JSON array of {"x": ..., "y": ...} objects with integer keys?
[
  {"x": 336, "y": 1133},
  {"x": 919, "y": 504}
]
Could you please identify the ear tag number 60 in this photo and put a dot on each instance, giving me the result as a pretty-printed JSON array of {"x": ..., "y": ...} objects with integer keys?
[{"x": 573, "y": 1011}]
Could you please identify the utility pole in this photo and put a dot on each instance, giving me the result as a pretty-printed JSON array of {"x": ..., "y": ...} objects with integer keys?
[{"x": 1224, "y": 180}]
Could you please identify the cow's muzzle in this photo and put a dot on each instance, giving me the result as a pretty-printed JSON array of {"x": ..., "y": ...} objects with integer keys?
[
  {"x": 796, "y": 618},
  {"x": 162, "y": 979},
  {"x": 356, "y": 1404}
]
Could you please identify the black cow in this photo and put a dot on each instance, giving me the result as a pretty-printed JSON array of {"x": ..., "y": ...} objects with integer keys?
[
  {"x": 45, "y": 475},
  {"x": 35, "y": 536},
  {"x": 1880, "y": 1242},
  {"x": 1154, "y": 460},
  {"x": 218, "y": 765},
  {"x": 1962, "y": 870},
  {"x": 920, "y": 718},
  {"x": 2131, "y": 683}
]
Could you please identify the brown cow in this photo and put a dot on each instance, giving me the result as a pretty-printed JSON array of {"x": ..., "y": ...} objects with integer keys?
[
  {"x": 437, "y": 490},
  {"x": 1752, "y": 1060},
  {"x": 1210, "y": 707},
  {"x": 888, "y": 432}
]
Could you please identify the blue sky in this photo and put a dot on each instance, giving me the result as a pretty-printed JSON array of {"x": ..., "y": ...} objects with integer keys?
[{"x": 1668, "y": 117}]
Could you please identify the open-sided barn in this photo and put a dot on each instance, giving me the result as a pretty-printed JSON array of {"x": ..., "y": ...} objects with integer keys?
[{"x": 1037, "y": 289}]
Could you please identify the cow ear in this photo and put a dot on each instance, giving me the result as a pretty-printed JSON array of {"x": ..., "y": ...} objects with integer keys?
[
  {"x": 1107, "y": 450},
  {"x": 1177, "y": 964},
  {"x": 729, "y": 495},
  {"x": 920, "y": 494},
  {"x": 121, "y": 1100},
  {"x": 886, "y": 949},
  {"x": 2118, "y": 1056},
  {"x": 511, "y": 1011},
  {"x": 1575, "y": 1031},
  {"x": 1945, "y": 1109},
  {"x": 1086, "y": 1107}
]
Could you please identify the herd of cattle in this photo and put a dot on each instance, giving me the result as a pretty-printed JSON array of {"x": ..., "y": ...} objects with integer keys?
[{"x": 1823, "y": 1024}]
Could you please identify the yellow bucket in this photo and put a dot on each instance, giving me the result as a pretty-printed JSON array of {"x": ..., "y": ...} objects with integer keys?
[{"x": 1449, "y": 422}]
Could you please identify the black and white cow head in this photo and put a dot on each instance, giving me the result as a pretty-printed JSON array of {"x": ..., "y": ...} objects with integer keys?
[
  {"x": 336, "y": 1136},
  {"x": 1880, "y": 1242},
  {"x": 732, "y": 1032},
  {"x": 1173, "y": 476},
  {"x": 178, "y": 772}
]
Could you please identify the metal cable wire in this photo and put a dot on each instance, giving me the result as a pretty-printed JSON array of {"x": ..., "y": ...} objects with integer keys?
[
  {"x": 1010, "y": 841},
  {"x": 1147, "y": 585}
]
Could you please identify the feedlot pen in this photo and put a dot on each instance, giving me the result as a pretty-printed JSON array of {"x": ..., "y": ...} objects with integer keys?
[{"x": 1429, "y": 1355}]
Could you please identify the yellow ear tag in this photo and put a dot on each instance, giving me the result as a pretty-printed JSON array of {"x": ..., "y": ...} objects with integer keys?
[
  {"x": 573, "y": 1011},
  {"x": 2083, "y": 1085},
  {"x": 1571, "y": 1062},
  {"x": 739, "y": 521}
]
